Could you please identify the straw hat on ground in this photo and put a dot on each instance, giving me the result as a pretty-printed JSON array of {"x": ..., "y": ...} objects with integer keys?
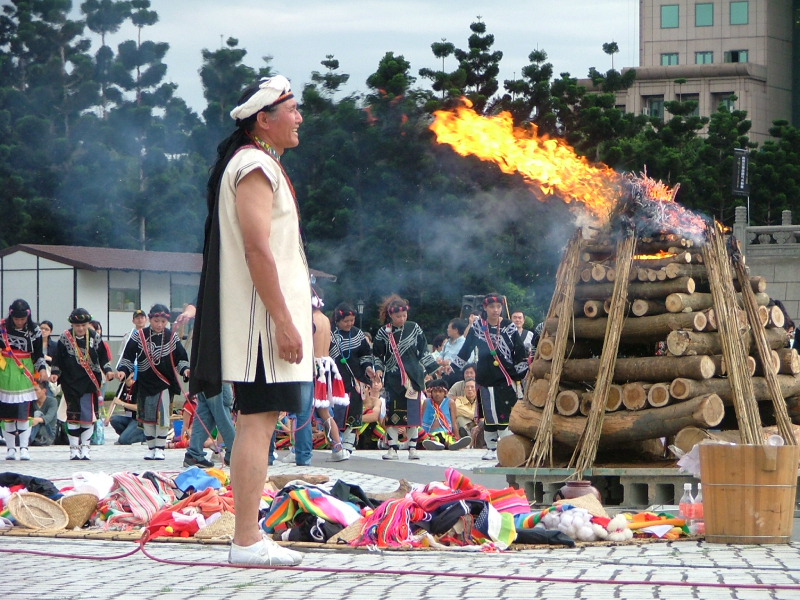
[
  {"x": 34, "y": 511},
  {"x": 589, "y": 502},
  {"x": 79, "y": 507}
]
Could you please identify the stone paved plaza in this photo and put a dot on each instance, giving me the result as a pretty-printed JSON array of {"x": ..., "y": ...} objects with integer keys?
[{"x": 366, "y": 574}]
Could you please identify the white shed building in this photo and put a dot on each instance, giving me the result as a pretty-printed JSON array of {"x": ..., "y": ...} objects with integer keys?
[{"x": 108, "y": 282}]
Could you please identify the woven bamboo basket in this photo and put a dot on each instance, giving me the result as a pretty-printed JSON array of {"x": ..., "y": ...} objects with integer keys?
[{"x": 79, "y": 507}]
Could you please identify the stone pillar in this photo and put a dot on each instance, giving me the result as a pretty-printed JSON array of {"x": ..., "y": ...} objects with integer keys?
[
  {"x": 740, "y": 227},
  {"x": 786, "y": 217}
]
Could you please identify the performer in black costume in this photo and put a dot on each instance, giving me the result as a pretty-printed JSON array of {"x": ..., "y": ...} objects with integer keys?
[
  {"x": 79, "y": 363},
  {"x": 160, "y": 356},
  {"x": 402, "y": 359},
  {"x": 502, "y": 365},
  {"x": 353, "y": 355}
]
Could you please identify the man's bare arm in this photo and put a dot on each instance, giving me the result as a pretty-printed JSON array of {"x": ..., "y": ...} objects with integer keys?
[{"x": 254, "y": 199}]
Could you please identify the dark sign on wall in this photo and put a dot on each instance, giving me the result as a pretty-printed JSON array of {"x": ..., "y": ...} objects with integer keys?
[{"x": 741, "y": 172}]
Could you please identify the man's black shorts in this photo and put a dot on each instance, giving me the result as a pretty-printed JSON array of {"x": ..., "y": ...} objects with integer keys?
[{"x": 260, "y": 397}]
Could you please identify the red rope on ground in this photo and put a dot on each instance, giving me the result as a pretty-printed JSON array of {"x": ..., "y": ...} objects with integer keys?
[{"x": 400, "y": 573}]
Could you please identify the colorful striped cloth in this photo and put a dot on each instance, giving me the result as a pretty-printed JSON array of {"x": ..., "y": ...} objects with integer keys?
[
  {"x": 134, "y": 500},
  {"x": 390, "y": 525},
  {"x": 506, "y": 500},
  {"x": 311, "y": 500}
]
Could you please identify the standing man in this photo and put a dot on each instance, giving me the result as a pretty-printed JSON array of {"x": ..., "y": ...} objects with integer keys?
[
  {"x": 253, "y": 322},
  {"x": 527, "y": 336},
  {"x": 502, "y": 365}
]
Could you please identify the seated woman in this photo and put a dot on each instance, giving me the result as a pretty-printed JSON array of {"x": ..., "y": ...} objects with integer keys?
[{"x": 438, "y": 418}]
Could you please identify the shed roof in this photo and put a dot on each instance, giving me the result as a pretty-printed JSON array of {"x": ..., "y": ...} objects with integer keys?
[{"x": 123, "y": 259}]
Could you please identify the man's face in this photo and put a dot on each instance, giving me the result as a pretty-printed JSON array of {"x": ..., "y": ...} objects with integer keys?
[
  {"x": 41, "y": 394},
  {"x": 139, "y": 321},
  {"x": 437, "y": 394},
  {"x": 80, "y": 329},
  {"x": 158, "y": 324},
  {"x": 399, "y": 318},
  {"x": 347, "y": 323},
  {"x": 283, "y": 124},
  {"x": 452, "y": 332},
  {"x": 494, "y": 310},
  {"x": 470, "y": 390},
  {"x": 518, "y": 319},
  {"x": 469, "y": 374}
]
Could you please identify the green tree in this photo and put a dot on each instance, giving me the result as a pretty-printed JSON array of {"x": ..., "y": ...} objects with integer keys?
[
  {"x": 104, "y": 17},
  {"x": 611, "y": 48},
  {"x": 775, "y": 175},
  {"x": 481, "y": 66}
]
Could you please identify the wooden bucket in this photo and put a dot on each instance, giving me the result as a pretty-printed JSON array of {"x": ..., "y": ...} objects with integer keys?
[{"x": 748, "y": 492}]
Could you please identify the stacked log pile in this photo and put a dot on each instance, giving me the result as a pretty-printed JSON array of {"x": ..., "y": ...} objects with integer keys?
[{"x": 670, "y": 374}]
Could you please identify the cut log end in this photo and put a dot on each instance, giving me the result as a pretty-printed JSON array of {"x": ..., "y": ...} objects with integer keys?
[
  {"x": 658, "y": 395},
  {"x": 568, "y": 403}
]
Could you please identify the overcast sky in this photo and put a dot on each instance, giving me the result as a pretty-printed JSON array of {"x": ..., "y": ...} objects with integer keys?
[{"x": 299, "y": 33}]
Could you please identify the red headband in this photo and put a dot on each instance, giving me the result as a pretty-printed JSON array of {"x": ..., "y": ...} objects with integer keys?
[
  {"x": 159, "y": 314},
  {"x": 396, "y": 309},
  {"x": 492, "y": 299}
]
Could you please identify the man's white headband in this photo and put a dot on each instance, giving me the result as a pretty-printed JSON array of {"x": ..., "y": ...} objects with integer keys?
[{"x": 271, "y": 91}]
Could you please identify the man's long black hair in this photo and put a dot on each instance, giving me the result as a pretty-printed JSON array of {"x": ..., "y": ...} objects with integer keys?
[{"x": 206, "y": 358}]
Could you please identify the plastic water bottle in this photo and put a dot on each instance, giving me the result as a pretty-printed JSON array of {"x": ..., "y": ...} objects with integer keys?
[
  {"x": 686, "y": 504},
  {"x": 698, "y": 527}
]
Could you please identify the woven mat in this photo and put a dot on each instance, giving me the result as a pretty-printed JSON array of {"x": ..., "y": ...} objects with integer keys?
[{"x": 134, "y": 536}]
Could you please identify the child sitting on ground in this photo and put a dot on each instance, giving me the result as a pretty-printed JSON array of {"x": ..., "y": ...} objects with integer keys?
[{"x": 438, "y": 417}]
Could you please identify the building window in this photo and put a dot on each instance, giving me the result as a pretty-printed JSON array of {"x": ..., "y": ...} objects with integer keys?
[
  {"x": 181, "y": 295},
  {"x": 669, "y": 16},
  {"x": 739, "y": 13},
  {"x": 654, "y": 106},
  {"x": 703, "y": 58},
  {"x": 704, "y": 14},
  {"x": 123, "y": 299},
  {"x": 670, "y": 59},
  {"x": 736, "y": 56},
  {"x": 726, "y": 100}
]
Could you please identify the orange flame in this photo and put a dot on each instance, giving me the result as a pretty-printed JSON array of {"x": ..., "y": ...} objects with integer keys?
[
  {"x": 657, "y": 255},
  {"x": 550, "y": 164}
]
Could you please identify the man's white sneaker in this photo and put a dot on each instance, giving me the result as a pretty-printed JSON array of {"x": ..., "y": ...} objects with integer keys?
[
  {"x": 290, "y": 458},
  {"x": 74, "y": 452},
  {"x": 490, "y": 455},
  {"x": 432, "y": 445},
  {"x": 265, "y": 552},
  {"x": 158, "y": 454},
  {"x": 24, "y": 454},
  {"x": 11, "y": 454},
  {"x": 151, "y": 454},
  {"x": 412, "y": 453},
  {"x": 391, "y": 454},
  {"x": 339, "y": 455},
  {"x": 85, "y": 452}
]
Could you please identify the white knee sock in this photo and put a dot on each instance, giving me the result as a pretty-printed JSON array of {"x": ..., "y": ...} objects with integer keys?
[
  {"x": 412, "y": 433},
  {"x": 161, "y": 437},
  {"x": 349, "y": 439},
  {"x": 24, "y": 429},
  {"x": 393, "y": 436},
  {"x": 149, "y": 434},
  {"x": 74, "y": 433},
  {"x": 490, "y": 437},
  {"x": 10, "y": 433},
  {"x": 86, "y": 436}
]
